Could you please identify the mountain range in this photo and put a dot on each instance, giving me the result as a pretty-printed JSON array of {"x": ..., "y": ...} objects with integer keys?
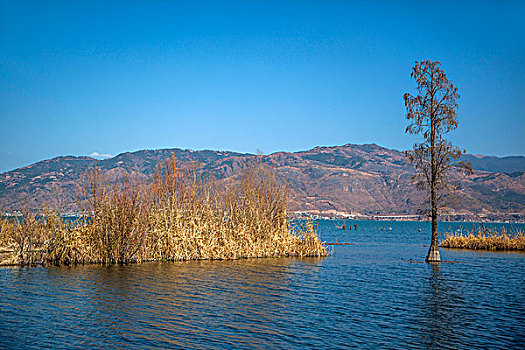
[{"x": 361, "y": 180}]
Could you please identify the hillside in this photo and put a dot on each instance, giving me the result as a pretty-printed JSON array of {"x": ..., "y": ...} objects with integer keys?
[{"x": 352, "y": 179}]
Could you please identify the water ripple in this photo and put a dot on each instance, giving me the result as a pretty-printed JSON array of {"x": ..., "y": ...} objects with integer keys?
[{"x": 364, "y": 296}]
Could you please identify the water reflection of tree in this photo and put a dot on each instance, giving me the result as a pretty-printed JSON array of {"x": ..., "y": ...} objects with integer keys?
[{"x": 441, "y": 317}]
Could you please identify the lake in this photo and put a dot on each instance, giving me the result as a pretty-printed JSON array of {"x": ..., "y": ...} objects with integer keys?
[{"x": 367, "y": 295}]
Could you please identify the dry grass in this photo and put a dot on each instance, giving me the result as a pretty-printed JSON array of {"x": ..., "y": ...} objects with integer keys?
[
  {"x": 176, "y": 216},
  {"x": 483, "y": 238}
]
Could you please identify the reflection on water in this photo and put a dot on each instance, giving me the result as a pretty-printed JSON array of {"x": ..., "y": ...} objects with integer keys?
[
  {"x": 367, "y": 296},
  {"x": 440, "y": 311},
  {"x": 437, "y": 310}
]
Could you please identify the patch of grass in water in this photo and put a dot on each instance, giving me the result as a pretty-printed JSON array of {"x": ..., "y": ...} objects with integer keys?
[
  {"x": 484, "y": 238},
  {"x": 177, "y": 215}
]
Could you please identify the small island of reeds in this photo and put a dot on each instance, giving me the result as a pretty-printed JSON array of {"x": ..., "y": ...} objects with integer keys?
[
  {"x": 483, "y": 238},
  {"x": 176, "y": 215}
]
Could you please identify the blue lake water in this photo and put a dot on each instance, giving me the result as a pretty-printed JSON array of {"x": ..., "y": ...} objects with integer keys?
[{"x": 368, "y": 295}]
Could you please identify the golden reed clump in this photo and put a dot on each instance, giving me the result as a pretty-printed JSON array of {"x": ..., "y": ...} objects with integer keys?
[
  {"x": 177, "y": 215},
  {"x": 483, "y": 238}
]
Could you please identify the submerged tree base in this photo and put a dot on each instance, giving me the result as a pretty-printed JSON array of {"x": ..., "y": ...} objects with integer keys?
[{"x": 433, "y": 255}]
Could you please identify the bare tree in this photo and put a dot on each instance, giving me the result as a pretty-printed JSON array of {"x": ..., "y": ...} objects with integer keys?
[{"x": 432, "y": 114}]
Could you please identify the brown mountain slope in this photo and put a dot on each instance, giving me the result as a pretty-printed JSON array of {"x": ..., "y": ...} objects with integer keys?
[{"x": 356, "y": 179}]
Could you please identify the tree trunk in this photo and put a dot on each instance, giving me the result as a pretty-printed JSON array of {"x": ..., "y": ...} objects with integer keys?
[{"x": 433, "y": 251}]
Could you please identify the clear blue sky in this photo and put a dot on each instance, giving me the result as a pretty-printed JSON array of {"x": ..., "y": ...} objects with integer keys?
[{"x": 78, "y": 77}]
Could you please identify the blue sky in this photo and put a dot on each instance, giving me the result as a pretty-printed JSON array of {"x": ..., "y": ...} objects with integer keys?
[{"x": 78, "y": 77}]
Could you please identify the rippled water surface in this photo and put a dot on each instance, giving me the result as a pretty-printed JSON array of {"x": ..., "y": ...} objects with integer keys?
[{"x": 368, "y": 295}]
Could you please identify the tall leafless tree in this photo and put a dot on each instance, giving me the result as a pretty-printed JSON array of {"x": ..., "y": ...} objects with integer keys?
[{"x": 432, "y": 114}]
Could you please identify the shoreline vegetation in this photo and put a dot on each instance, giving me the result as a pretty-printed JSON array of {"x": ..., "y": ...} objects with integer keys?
[
  {"x": 483, "y": 238},
  {"x": 177, "y": 215}
]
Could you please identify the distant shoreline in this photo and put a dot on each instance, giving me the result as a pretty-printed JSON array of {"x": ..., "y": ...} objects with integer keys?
[
  {"x": 413, "y": 218},
  {"x": 349, "y": 217}
]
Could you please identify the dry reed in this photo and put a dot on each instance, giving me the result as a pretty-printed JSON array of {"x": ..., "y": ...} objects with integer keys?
[
  {"x": 178, "y": 215},
  {"x": 484, "y": 238}
]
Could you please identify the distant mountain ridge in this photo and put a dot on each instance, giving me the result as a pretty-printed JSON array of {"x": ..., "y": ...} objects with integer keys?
[
  {"x": 510, "y": 164},
  {"x": 351, "y": 179}
]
